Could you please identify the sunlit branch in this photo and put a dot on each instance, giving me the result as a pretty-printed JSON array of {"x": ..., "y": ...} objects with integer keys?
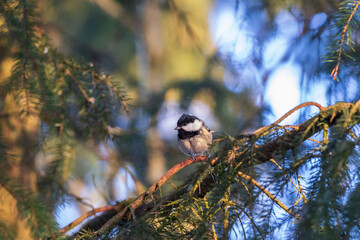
[
  {"x": 297, "y": 188},
  {"x": 135, "y": 204},
  {"x": 335, "y": 71},
  {"x": 306, "y": 104},
  {"x": 87, "y": 215},
  {"x": 262, "y": 153},
  {"x": 306, "y": 129},
  {"x": 300, "y": 188},
  {"x": 267, "y": 193},
  {"x": 353, "y": 110}
]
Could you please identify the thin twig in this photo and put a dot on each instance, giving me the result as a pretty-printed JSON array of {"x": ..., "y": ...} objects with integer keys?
[
  {"x": 86, "y": 215},
  {"x": 252, "y": 222},
  {"x": 26, "y": 46},
  {"x": 353, "y": 110},
  {"x": 316, "y": 141},
  {"x": 301, "y": 191},
  {"x": 80, "y": 87},
  {"x": 123, "y": 102},
  {"x": 264, "y": 129},
  {"x": 335, "y": 71},
  {"x": 272, "y": 197},
  {"x": 213, "y": 230},
  {"x": 298, "y": 189},
  {"x": 26, "y": 89}
]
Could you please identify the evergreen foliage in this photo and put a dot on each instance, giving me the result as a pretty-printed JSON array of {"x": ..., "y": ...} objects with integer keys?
[
  {"x": 342, "y": 45},
  {"x": 301, "y": 182},
  {"x": 38, "y": 218},
  {"x": 69, "y": 99},
  {"x": 237, "y": 200}
]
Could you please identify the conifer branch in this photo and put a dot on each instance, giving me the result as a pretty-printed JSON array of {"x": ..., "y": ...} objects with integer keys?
[
  {"x": 300, "y": 188},
  {"x": 272, "y": 197},
  {"x": 303, "y": 131},
  {"x": 292, "y": 182},
  {"x": 151, "y": 190},
  {"x": 335, "y": 70},
  {"x": 26, "y": 53},
  {"x": 262, "y": 153},
  {"x": 137, "y": 202},
  {"x": 88, "y": 99},
  {"x": 306, "y": 104},
  {"x": 354, "y": 109},
  {"x": 87, "y": 215},
  {"x": 26, "y": 88},
  {"x": 29, "y": 208},
  {"x": 123, "y": 102}
]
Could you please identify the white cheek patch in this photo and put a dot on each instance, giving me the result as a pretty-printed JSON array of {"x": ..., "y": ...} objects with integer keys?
[{"x": 192, "y": 127}]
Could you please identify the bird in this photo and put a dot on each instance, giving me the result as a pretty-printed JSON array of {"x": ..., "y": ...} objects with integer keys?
[{"x": 194, "y": 137}]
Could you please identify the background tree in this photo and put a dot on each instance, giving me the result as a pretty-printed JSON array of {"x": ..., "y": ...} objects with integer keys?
[{"x": 66, "y": 127}]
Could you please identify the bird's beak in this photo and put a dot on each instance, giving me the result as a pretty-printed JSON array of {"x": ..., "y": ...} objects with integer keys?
[{"x": 177, "y": 128}]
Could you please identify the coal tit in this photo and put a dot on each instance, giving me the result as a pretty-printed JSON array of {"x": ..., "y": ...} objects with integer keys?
[{"x": 194, "y": 137}]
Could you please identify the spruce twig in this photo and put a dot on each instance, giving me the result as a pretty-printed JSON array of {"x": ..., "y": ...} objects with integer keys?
[
  {"x": 272, "y": 197},
  {"x": 335, "y": 70}
]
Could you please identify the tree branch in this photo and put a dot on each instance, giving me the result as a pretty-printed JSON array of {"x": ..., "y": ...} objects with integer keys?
[
  {"x": 272, "y": 197},
  {"x": 134, "y": 205},
  {"x": 87, "y": 215},
  {"x": 335, "y": 71},
  {"x": 303, "y": 131},
  {"x": 262, "y": 153}
]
